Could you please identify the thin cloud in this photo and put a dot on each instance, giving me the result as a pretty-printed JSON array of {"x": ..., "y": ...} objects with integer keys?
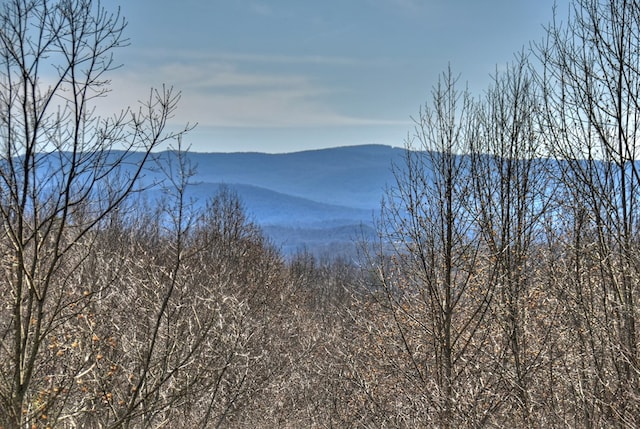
[
  {"x": 163, "y": 56},
  {"x": 261, "y": 9},
  {"x": 216, "y": 76},
  {"x": 222, "y": 95},
  {"x": 290, "y": 59}
]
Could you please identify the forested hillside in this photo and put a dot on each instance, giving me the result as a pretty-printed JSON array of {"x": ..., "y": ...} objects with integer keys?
[{"x": 500, "y": 288}]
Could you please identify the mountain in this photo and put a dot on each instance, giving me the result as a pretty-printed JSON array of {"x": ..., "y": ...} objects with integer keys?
[
  {"x": 352, "y": 176},
  {"x": 319, "y": 200},
  {"x": 267, "y": 207}
]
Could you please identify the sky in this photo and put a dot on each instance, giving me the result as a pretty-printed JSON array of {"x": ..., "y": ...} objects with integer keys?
[{"x": 281, "y": 76}]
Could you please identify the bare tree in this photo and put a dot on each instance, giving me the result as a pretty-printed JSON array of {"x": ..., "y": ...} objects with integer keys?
[
  {"x": 592, "y": 94},
  {"x": 428, "y": 288},
  {"x": 511, "y": 196},
  {"x": 63, "y": 170}
]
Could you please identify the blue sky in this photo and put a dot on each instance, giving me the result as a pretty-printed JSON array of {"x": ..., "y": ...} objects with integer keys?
[{"x": 289, "y": 75}]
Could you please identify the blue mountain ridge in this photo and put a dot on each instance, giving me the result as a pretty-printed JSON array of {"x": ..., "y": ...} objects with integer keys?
[
  {"x": 350, "y": 176},
  {"x": 308, "y": 200},
  {"x": 320, "y": 201}
]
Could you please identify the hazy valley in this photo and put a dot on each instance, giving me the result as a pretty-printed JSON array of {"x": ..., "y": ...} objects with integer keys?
[{"x": 320, "y": 200}]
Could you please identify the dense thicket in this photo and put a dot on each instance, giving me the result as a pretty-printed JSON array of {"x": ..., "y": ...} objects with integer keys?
[{"x": 502, "y": 291}]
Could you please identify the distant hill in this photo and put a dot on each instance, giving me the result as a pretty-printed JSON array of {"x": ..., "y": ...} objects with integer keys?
[
  {"x": 318, "y": 200},
  {"x": 269, "y": 207},
  {"x": 352, "y": 176}
]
